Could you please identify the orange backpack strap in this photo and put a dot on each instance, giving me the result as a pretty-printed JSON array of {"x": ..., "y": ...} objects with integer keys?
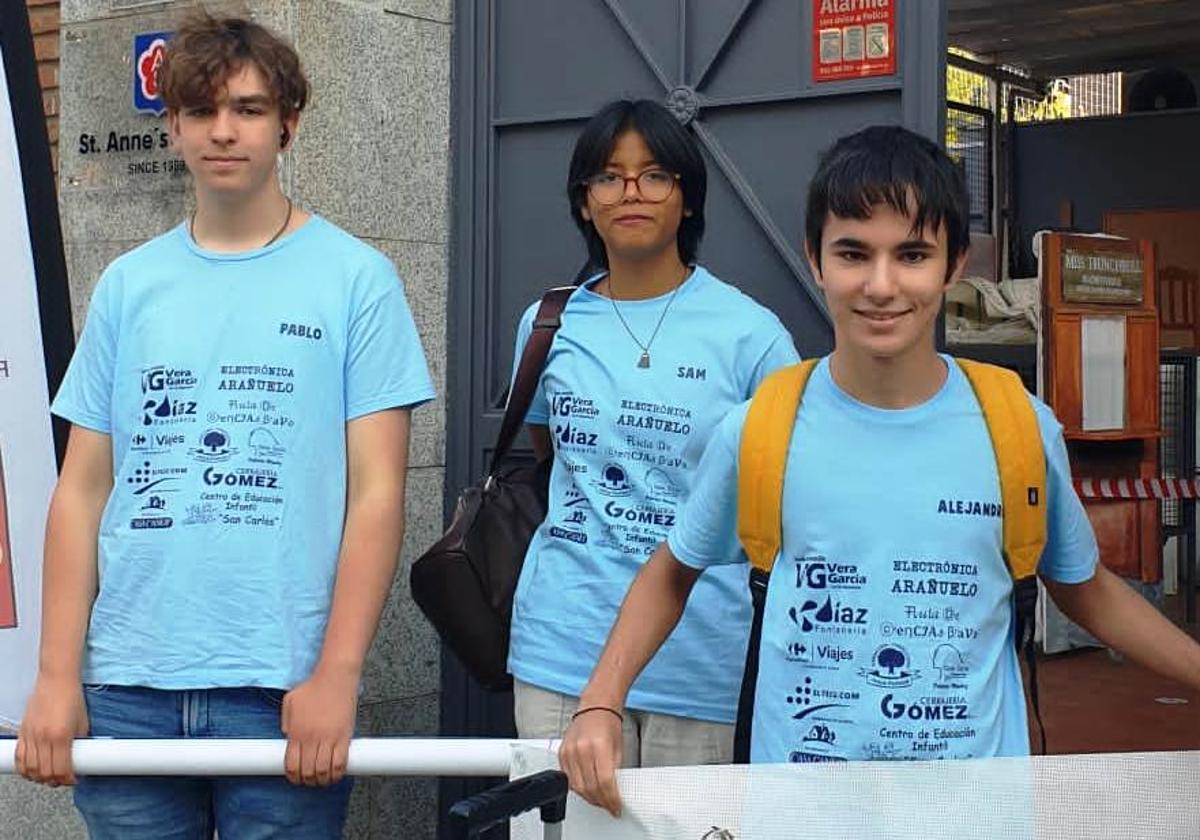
[
  {"x": 1020, "y": 462},
  {"x": 762, "y": 457}
]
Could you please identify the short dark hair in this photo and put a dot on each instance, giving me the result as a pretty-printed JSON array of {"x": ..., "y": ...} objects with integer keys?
[
  {"x": 205, "y": 50},
  {"x": 887, "y": 164},
  {"x": 674, "y": 148}
]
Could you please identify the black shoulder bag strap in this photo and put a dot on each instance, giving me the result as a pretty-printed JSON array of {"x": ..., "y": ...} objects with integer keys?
[
  {"x": 533, "y": 359},
  {"x": 743, "y": 727},
  {"x": 1025, "y": 595}
]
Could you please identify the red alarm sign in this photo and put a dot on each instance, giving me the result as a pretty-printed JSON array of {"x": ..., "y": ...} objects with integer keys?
[{"x": 853, "y": 39}]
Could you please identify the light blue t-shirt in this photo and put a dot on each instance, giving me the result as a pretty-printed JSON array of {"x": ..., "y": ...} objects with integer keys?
[
  {"x": 226, "y": 382},
  {"x": 626, "y": 444},
  {"x": 888, "y": 626}
]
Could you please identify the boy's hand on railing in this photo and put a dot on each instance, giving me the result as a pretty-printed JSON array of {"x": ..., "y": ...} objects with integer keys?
[
  {"x": 318, "y": 719},
  {"x": 54, "y": 717},
  {"x": 590, "y": 755}
]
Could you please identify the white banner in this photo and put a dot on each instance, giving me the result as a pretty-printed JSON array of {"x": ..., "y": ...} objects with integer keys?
[
  {"x": 27, "y": 465},
  {"x": 1130, "y": 796}
]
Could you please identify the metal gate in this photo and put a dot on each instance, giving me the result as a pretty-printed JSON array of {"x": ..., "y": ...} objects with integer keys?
[{"x": 527, "y": 73}]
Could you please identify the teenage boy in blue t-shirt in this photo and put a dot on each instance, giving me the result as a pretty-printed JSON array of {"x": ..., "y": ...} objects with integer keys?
[
  {"x": 227, "y": 523},
  {"x": 888, "y": 626}
]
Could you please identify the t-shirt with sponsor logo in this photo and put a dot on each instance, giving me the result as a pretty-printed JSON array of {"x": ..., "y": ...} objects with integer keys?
[
  {"x": 226, "y": 382},
  {"x": 888, "y": 626},
  {"x": 627, "y": 440}
]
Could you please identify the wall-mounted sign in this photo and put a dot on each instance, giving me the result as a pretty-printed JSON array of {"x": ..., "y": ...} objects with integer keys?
[
  {"x": 148, "y": 49},
  {"x": 107, "y": 149},
  {"x": 1102, "y": 276},
  {"x": 853, "y": 39}
]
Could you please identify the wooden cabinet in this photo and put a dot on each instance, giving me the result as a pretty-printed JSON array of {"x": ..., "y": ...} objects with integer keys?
[
  {"x": 1104, "y": 287},
  {"x": 1141, "y": 372},
  {"x": 1127, "y": 530}
]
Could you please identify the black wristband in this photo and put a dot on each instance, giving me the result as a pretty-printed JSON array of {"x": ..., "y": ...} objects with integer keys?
[{"x": 608, "y": 709}]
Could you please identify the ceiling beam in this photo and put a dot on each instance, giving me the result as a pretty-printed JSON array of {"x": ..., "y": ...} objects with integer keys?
[
  {"x": 1016, "y": 51},
  {"x": 996, "y": 72},
  {"x": 1113, "y": 64},
  {"x": 1042, "y": 30},
  {"x": 1056, "y": 37},
  {"x": 1047, "y": 56},
  {"x": 999, "y": 11},
  {"x": 1109, "y": 45}
]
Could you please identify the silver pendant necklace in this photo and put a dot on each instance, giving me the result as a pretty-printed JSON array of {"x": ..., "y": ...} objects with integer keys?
[{"x": 644, "y": 359}]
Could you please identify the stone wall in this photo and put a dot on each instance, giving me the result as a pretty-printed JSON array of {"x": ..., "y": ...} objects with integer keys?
[{"x": 372, "y": 156}]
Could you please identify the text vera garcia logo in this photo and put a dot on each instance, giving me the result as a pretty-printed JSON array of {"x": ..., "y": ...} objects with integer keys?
[{"x": 148, "y": 49}]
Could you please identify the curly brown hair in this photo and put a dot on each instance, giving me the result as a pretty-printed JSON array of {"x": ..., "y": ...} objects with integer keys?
[{"x": 205, "y": 51}]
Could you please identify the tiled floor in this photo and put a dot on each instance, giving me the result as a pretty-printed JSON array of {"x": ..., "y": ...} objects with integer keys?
[{"x": 1091, "y": 702}]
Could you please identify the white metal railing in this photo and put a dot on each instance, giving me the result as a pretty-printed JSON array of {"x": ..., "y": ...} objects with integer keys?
[
  {"x": 264, "y": 757},
  {"x": 1131, "y": 796}
]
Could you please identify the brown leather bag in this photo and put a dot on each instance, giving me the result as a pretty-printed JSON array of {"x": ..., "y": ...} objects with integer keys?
[{"x": 464, "y": 584}]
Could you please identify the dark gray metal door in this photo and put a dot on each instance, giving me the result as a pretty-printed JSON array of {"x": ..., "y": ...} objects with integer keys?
[{"x": 529, "y": 72}]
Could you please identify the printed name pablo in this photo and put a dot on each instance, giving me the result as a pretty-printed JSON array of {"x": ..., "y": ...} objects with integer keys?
[{"x": 300, "y": 330}]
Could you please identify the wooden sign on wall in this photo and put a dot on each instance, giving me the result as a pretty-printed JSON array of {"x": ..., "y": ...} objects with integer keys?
[{"x": 1102, "y": 276}]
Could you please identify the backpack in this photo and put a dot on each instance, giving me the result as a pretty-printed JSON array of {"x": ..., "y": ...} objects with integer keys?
[{"x": 1020, "y": 461}]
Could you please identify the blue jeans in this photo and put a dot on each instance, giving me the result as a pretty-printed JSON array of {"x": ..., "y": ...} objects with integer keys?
[{"x": 181, "y": 808}]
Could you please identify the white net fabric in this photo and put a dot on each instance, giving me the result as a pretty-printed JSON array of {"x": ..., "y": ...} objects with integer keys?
[{"x": 1139, "y": 796}]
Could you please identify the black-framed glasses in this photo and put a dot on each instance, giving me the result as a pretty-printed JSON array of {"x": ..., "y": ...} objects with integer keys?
[{"x": 654, "y": 186}]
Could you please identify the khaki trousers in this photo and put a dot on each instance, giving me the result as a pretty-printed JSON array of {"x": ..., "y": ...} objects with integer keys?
[{"x": 650, "y": 739}]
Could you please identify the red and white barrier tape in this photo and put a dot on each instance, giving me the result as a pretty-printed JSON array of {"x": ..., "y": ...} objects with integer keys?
[{"x": 1138, "y": 488}]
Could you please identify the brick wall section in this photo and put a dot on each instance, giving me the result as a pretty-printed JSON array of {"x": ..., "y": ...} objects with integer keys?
[{"x": 44, "y": 21}]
